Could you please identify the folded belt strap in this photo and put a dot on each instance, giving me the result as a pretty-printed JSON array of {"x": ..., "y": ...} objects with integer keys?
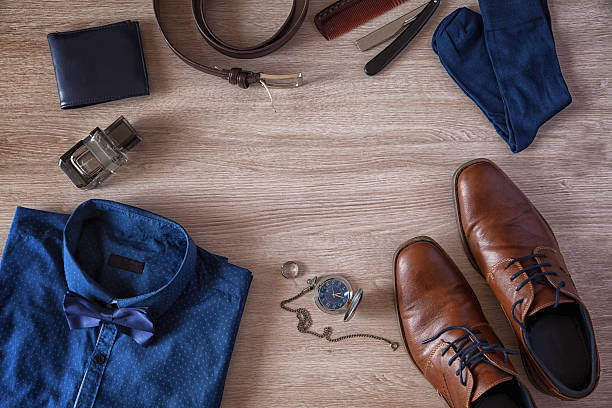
[{"x": 238, "y": 76}]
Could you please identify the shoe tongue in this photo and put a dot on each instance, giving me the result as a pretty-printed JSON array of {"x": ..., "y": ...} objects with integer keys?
[
  {"x": 543, "y": 297},
  {"x": 486, "y": 377},
  {"x": 494, "y": 371}
]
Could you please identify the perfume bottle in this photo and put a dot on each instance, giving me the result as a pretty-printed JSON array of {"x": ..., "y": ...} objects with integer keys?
[{"x": 95, "y": 158}]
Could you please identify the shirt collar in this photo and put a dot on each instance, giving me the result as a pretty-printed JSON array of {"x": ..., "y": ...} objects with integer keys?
[{"x": 78, "y": 280}]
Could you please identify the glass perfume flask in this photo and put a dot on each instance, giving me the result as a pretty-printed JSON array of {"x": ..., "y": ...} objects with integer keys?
[{"x": 95, "y": 158}]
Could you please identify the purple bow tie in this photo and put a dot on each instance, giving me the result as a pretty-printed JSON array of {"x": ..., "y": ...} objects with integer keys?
[{"x": 82, "y": 313}]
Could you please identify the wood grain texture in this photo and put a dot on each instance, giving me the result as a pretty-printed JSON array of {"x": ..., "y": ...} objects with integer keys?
[{"x": 348, "y": 169}]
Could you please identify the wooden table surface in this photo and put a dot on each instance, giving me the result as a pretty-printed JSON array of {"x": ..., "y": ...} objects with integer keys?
[{"x": 346, "y": 170}]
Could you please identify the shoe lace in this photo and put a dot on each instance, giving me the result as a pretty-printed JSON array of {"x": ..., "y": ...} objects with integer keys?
[
  {"x": 533, "y": 277},
  {"x": 469, "y": 354}
]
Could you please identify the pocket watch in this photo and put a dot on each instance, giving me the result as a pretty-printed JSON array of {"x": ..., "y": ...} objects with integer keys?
[{"x": 333, "y": 294}]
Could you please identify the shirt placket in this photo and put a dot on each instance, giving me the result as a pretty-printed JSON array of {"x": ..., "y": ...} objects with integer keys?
[{"x": 96, "y": 365}]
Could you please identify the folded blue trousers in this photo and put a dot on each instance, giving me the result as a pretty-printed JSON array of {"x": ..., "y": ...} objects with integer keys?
[{"x": 505, "y": 60}]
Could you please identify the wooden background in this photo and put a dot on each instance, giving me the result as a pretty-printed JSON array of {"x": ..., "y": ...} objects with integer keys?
[{"x": 346, "y": 170}]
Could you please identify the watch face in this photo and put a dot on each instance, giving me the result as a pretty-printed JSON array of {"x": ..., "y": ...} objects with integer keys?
[{"x": 333, "y": 294}]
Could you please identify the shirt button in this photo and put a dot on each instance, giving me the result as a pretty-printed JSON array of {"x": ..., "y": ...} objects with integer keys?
[{"x": 99, "y": 358}]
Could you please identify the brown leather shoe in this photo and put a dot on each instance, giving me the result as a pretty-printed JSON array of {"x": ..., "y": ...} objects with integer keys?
[
  {"x": 511, "y": 245},
  {"x": 446, "y": 334}
]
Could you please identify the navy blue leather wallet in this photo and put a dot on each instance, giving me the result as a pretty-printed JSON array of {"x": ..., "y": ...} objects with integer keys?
[{"x": 98, "y": 64}]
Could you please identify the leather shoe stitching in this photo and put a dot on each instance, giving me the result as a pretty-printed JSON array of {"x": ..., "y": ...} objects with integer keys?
[
  {"x": 429, "y": 362},
  {"x": 490, "y": 274}
]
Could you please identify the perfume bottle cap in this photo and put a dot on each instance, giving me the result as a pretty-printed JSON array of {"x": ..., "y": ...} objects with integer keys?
[{"x": 122, "y": 134}]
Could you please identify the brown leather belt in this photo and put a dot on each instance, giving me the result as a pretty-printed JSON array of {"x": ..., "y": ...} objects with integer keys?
[{"x": 238, "y": 76}]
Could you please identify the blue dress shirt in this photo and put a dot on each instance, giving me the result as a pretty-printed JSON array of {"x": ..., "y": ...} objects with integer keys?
[{"x": 117, "y": 255}]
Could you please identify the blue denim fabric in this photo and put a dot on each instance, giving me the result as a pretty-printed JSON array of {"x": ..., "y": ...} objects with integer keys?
[
  {"x": 506, "y": 62},
  {"x": 196, "y": 299}
]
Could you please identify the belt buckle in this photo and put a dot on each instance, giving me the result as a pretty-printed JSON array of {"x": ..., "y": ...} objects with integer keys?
[{"x": 282, "y": 81}]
